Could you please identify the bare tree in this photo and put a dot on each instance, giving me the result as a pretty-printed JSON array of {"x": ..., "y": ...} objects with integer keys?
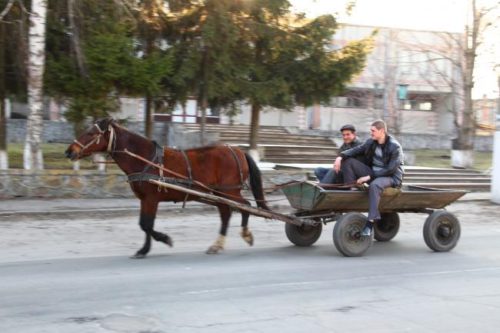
[
  {"x": 460, "y": 52},
  {"x": 33, "y": 158}
]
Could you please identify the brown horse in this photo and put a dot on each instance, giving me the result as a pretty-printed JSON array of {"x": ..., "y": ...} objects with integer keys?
[{"x": 222, "y": 168}]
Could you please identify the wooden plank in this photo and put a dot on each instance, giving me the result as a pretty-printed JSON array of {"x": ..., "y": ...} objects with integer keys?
[{"x": 214, "y": 198}]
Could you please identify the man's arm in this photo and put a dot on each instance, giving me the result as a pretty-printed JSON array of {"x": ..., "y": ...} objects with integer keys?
[
  {"x": 355, "y": 151},
  {"x": 352, "y": 152}
]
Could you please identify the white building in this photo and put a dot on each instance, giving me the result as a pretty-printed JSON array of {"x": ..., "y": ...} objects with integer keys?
[{"x": 420, "y": 63}]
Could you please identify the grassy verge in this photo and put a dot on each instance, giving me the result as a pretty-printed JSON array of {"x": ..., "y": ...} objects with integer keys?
[
  {"x": 53, "y": 157},
  {"x": 442, "y": 159}
]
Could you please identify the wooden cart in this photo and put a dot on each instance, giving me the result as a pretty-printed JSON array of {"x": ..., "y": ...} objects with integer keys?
[
  {"x": 441, "y": 229},
  {"x": 315, "y": 206}
]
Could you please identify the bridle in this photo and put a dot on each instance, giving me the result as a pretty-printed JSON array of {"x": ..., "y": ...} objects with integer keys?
[{"x": 97, "y": 139}]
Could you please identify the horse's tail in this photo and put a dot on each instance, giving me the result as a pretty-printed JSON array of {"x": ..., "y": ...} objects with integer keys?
[{"x": 256, "y": 182}]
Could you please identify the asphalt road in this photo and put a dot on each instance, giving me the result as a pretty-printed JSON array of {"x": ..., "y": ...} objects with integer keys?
[{"x": 69, "y": 274}]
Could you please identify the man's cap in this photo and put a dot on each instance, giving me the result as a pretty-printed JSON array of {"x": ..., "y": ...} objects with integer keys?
[{"x": 348, "y": 127}]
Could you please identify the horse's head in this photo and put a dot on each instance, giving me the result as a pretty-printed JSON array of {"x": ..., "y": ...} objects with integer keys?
[{"x": 98, "y": 138}]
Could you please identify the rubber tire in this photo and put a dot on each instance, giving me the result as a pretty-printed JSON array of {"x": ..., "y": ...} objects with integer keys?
[
  {"x": 305, "y": 235},
  {"x": 346, "y": 235},
  {"x": 437, "y": 238},
  {"x": 387, "y": 228}
]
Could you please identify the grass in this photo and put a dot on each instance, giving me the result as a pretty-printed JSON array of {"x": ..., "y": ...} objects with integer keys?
[
  {"x": 442, "y": 159},
  {"x": 54, "y": 158}
]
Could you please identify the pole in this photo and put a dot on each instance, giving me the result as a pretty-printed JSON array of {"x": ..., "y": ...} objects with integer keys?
[
  {"x": 214, "y": 198},
  {"x": 495, "y": 173}
]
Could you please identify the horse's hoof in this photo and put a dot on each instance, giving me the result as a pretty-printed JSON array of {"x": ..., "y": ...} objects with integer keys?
[
  {"x": 213, "y": 249},
  {"x": 166, "y": 239},
  {"x": 138, "y": 256},
  {"x": 248, "y": 238}
]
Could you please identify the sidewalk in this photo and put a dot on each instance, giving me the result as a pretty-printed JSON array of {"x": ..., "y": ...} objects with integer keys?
[{"x": 72, "y": 206}]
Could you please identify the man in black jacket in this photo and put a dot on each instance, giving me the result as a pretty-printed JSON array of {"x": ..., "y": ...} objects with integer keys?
[
  {"x": 383, "y": 168},
  {"x": 329, "y": 175}
]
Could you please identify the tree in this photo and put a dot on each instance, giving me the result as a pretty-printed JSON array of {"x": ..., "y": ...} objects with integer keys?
[
  {"x": 105, "y": 62},
  {"x": 152, "y": 20},
  {"x": 13, "y": 51},
  {"x": 204, "y": 40},
  {"x": 33, "y": 158},
  {"x": 291, "y": 61},
  {"x": 258, "y": 52}
]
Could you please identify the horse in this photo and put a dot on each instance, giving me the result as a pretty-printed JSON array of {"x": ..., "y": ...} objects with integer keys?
[{"x": 220, "y": 169}]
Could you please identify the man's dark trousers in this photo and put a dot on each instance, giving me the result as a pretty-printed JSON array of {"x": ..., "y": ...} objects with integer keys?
[
  {"x": 328, "y": 176},
  {"x": 353, "y": 169}
]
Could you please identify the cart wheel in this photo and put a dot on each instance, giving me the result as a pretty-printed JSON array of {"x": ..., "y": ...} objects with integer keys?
[
  {"x": 305, "y": 235},
  {"x": 387, "y": 228},
  {"x": 346, "y": 235},
  {"x": 441, "y": 231}
]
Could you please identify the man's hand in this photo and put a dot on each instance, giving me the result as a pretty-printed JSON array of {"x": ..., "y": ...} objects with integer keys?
[
  {"x": 362, "y": 180},
  {"x": 336, "y": 164}
]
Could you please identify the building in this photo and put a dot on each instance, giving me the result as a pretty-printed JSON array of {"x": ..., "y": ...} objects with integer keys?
[{"x": 411, "y": 80}]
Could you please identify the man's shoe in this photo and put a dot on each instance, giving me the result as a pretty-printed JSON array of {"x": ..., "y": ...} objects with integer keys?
[{"x": 367, "y": 230}]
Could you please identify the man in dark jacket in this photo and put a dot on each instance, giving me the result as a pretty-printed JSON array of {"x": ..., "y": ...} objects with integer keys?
[
  {"x": 383, "y": 168},
  {"x": 328, "y": 175}
]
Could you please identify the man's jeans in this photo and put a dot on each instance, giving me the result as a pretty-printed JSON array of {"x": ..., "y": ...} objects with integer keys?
[
  {"x": 354, "y": 169},
  {"x": 325, "y": 175},
  {"x": 328, "y": 176}
]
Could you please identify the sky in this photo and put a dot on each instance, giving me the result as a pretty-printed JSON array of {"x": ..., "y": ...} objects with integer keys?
[{"x": 434, "y": 15}]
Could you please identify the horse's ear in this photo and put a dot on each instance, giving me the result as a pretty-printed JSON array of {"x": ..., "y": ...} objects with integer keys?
[{"x": 104, "y": 123}]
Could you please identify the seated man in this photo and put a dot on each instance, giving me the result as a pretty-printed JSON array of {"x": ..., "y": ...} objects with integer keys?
[
  {"x": 383, "y": 168},
  {"x": 328, "y": 175}
]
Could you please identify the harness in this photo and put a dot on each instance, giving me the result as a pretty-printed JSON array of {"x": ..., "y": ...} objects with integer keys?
[
  {"x": 97, "y": 138},
  {"x": 157, "y": 162},
  {"x": 144, "y": 176}
]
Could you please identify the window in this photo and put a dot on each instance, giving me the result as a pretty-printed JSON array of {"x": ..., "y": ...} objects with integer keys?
[
  {"x": 412, "y": 105},
  {"x": 419, "y": 103}
]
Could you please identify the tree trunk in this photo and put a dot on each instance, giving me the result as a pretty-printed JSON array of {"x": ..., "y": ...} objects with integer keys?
[
  {"x": 148, "y": 117},
  {"x": 76, "y": 40},
  {"x": 4, "y": 159},
  {"x": 33, "y": 158},
  {"x": 203, "y": 98},
  {"x": 203, "y": 120},
  {"x": 254, "y": 131},
  {"x": 463, "y": 145}
]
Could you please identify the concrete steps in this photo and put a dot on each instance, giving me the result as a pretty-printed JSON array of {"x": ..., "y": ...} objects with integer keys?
[
  {"x": 276, "y": 143},
  {"x": 288, "y": 150}
]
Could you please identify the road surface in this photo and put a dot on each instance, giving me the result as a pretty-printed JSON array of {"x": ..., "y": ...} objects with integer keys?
[{"x": 73, "y": 274}]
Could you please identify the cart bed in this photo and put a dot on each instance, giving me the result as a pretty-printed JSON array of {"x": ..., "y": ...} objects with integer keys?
[{"x": 308, "y": 196}]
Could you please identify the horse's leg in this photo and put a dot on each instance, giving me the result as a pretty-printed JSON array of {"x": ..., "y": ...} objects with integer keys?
[
  {"x": 245, "y": 233},
  {"x": 146, "y": 221},
  {"x": 225, "y": 215}
]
